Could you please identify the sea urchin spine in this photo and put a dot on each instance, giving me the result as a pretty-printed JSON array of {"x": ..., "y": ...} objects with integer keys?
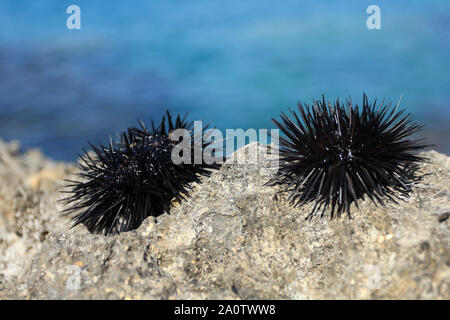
[
  {"x": 335, "y": 155},
  {"x": 131, "y": 179}
]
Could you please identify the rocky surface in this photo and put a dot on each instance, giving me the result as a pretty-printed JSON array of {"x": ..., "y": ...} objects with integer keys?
[
  {"x": 29, "y": 193},
  {"x": 234, "y": 239}
]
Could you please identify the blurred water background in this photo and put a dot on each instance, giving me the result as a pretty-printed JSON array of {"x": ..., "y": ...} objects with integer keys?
[{"x": 232, "y": 63}]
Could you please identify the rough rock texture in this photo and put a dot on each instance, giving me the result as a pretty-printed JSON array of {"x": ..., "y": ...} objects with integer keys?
[
  {"x": 29, "y": 185},
  {"x": 234, "y": 239}
]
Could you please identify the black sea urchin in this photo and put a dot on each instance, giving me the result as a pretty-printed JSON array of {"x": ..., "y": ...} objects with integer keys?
[
  {"x": 336, "y": 154},
  {"x": 131, "y": 179}
]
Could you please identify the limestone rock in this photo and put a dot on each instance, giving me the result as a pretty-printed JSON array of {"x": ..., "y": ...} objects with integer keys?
[{"x": 233, "y": 239}]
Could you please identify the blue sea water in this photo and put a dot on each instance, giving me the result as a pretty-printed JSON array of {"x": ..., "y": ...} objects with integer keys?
[{"x": 234, "y": 64}]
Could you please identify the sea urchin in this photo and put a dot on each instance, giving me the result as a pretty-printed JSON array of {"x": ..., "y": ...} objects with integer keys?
[
  {"x": 335, "y": 155},
  {"x": 131, "y": 179}
]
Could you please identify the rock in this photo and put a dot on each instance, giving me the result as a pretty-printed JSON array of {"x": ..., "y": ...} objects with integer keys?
[
  {"x": 29, "y": 207},
  {"x": 233, "y": 239}
]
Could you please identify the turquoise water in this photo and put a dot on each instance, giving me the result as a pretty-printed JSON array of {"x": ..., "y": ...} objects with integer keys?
[{"x": 234, "y": 64}]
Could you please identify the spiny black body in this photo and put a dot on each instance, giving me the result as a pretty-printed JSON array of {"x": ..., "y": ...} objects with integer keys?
[
  {"x": 131, "y": 179},
  {"x": 335, "y": 155}
]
